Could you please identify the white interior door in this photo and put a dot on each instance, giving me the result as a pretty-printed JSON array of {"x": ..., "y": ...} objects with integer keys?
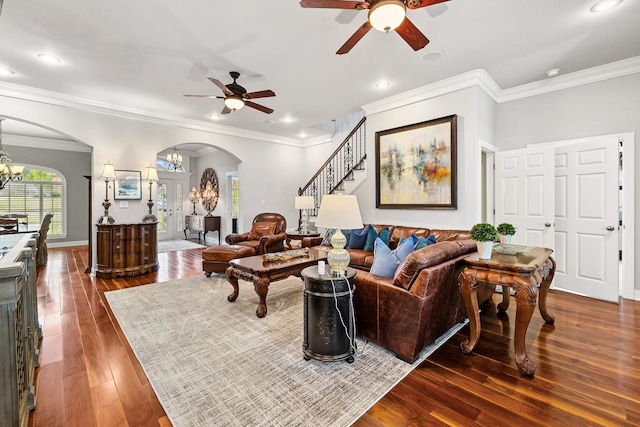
[
  {"x": 169, "y": 206},
  {"x": 524, "y": 194},
  {"x": 586, "y": 216}
]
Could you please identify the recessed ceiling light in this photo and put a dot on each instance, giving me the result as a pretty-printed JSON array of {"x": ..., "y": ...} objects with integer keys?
[
  {"x": 215, "y": 116},
  {"x": 554, "y": 72},
  {"x": 382, "y": 85},
  {"x": 603, "y": 5},
  {"x": 6, "y": 72},
  {"x": 49, "y": 59},
  {"x": 288, "y": 119},
  {"x": 432, "y": 56},
  {"x": 302, "y": 135}
]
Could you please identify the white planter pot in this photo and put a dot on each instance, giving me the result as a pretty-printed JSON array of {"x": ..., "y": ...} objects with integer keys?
[
  {"x": 484, "y": 249},
  {"x": 505, "y": 238}
]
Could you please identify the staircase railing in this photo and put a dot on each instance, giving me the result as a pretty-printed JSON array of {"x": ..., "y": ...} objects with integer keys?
[{"x": 339, "y": 167}]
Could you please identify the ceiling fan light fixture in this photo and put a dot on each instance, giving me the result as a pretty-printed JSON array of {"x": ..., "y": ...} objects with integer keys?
[
  {"x": 387, "y": 15},
  {"x": 234, "y": 102}
]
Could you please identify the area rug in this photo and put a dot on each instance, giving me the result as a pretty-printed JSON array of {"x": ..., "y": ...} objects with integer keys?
[
  {"x": 177, "y": 245},
  {"x": 214, "y": 363}
]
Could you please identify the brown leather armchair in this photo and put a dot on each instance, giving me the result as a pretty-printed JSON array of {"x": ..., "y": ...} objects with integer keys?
[{"x": 267, "y": 234}]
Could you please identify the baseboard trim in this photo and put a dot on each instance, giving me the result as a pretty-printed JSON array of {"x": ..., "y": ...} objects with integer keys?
[{"x": 67, "y": 244}]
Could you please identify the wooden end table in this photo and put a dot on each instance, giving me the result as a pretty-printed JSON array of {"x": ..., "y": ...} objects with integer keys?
[
  {"x": 298, "y": 235},
  {"x": 524, "y": 272},
  {"x": 262, "y": 273}
]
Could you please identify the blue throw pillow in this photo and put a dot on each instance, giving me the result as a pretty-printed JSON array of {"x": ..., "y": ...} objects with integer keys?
[
  {"x": 385, "y": 260},
  {"x": 413, "y": 237},
  {"x": 384, "y": 235},
  {"x": 358, "y": 238},
  {"x": 423, "y": 242}
]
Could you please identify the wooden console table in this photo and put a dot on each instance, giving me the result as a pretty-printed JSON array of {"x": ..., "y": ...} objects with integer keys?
[
  {"x": 523, "y": 272},
  {"x": 126, "y": 249},
  {"x": 202, "y": 224}
]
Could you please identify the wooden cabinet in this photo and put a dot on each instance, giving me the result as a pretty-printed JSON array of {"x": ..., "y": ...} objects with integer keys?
[
  {"x": 20, "y": 332},
  {"x": 126, "y": 249},
  {"x": 202, "y": 224}
]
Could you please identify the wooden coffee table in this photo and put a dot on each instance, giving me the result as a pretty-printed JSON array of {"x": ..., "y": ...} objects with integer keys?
[
  {"x": 524, "y": 272},
  {"x": 262, "y": 273}
]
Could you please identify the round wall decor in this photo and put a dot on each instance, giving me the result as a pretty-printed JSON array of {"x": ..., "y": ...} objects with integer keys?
[{"x": 209, "y": 193}]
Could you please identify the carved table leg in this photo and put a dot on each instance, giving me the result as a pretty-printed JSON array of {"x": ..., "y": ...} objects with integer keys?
[
  {"x": 231, "y": 278},
  {"x": 261, "y": 286},
  {"x": 526, "y": 292},
  {"x": 469, "y": 291},
  {"x": 506, "y": 298},
  {"x": 544, "y": 291}
]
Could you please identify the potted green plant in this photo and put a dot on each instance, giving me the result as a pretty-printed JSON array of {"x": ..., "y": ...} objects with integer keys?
[
  {"x": 505, "y": 232},
  {"x": 484, "y": 234}
]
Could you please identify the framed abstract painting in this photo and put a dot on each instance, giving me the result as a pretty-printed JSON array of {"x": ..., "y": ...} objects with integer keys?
[
  {"x": 127, "y": 185},
  {"x": 416, "y": 165}
]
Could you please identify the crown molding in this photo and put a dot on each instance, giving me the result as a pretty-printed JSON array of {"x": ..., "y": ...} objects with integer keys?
[
  {"x": 478, "y": 78},
  {"x": 46, "y": 143},
  {"x": 600, "y": 73},
  {"x": 43, "y": 96}
]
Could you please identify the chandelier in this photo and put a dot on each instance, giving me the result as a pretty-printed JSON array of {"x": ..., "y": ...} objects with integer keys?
[
  {"x": 174, "y": 161},
  {"x": 7, "y": 172}
]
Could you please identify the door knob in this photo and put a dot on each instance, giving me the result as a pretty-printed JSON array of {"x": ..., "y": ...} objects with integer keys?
[
  {"x": 610, "y": 228},
  {"x": 547, "y": 224}
]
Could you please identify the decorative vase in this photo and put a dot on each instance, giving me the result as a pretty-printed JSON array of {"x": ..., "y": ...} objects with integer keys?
[
  {"x": 505, "y": 238},
  {"x": 484, "y": 249}
]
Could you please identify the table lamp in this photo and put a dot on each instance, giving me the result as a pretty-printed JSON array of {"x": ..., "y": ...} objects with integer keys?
[
  {"x": 194, "y": 196},
  {"x": 303, "y": 203},
  {"x": 108, "y": 174},
  {"x": 151, "y": 175},
  {"x": 339, "y": 212}
]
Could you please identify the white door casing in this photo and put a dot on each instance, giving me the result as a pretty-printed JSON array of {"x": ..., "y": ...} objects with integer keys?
[
  {"x": 586, "y": 217},
  {"x": 524, "y": 194}
]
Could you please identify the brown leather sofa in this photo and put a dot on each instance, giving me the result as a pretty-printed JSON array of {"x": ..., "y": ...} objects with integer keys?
[{"x": 409, "y": 312}]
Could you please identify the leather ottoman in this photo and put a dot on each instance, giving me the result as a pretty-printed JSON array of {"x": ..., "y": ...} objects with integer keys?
[{"x": 215, "y": 259}]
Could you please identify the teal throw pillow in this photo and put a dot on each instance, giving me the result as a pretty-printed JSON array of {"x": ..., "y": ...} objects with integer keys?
[
  {"x": 423, "y": 242},
  {"x": 358, "y": 237},
  {"x": 384, "y": 235},
  {"x": 347, "y": 235},
  {"x": 385, "y": 260}
]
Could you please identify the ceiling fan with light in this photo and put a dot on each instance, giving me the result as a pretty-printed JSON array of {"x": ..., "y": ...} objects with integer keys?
[
  {"x": 236, "y": 96},
  {"x": 384, "y": 15}
]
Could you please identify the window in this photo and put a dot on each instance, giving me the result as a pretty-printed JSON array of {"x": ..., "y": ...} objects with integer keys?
[{"x": 40, "y": 191}]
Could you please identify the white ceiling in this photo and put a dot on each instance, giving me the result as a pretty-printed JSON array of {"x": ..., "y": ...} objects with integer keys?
[{"x": 145, "y": 55}]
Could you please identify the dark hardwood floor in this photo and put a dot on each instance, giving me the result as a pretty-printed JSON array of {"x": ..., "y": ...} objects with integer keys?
[{"x": 588, "y": 363}]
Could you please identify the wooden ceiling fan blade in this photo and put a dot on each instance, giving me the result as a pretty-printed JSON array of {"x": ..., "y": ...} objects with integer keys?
[
  {"x": 220, "y": 85},
  {"x": 258, "y": 107},
  {"x": 259, "y": 94},
  {"x": 335, "y": 4},
  {"x": 412, "y": 35},
  {"x": 225, "y": 110},
  {"x": 355, "y": 38},
  {"x": 417, "y": 4}
]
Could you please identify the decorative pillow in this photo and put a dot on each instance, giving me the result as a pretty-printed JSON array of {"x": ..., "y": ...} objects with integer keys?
[
  {"x": 358, "y": 238},
  {"x": 326, "y": 240},
  {"x": 424, "y": 242},
  {"x": 259, "y": 229},
  {"x": 414, "y": 239},
  {"x": 347, "y": 235},
  {"x": 385, "y": 260},
  {"x": 384, "y": 235}
]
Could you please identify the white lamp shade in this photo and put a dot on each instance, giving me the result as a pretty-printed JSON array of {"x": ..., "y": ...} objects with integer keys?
[
  {"x": 234, "y": 102},
  {"x": 108, "y": 172},
  {"x": 304, "y": 202},
  {"x": 387, "y": 15},
  {"x": 150, "y": 174},
  {"x": 340, "y": 212},
  {"x": 17, "y": 169}
]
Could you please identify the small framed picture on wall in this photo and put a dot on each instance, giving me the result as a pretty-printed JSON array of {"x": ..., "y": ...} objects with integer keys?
[{"x": 127, "y": 185}]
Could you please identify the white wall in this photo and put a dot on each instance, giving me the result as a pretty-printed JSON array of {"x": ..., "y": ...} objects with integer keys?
[
  {"x": 603, "y": 108},
  {"x": 464, "y": 103}
]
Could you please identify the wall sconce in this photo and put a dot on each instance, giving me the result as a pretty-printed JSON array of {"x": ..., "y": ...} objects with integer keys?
[
  {"x": 194, "y": 196},
  {"x": 150, "y": 174},
  {"x": 108, "y": 173}
]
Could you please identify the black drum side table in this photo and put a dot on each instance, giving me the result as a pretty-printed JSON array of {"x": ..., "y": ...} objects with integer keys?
[{"x": 325, "y": 337}]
